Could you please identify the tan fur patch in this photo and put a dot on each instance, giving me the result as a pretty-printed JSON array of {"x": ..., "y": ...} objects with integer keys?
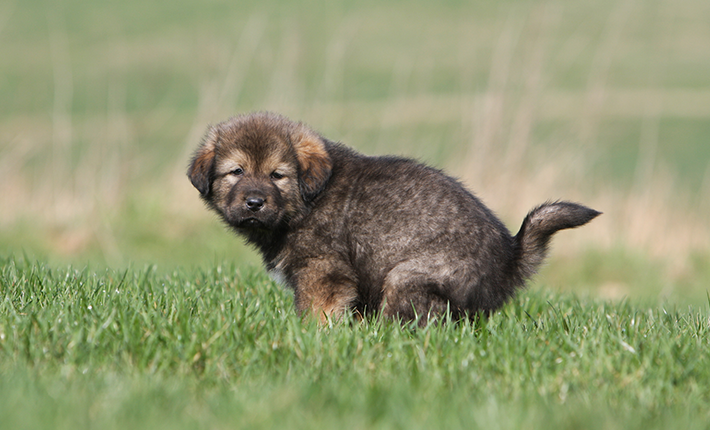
[
  {"x": 327, "y": 291},
  {"x": 234, "y": 160},
  {"x": 312, "y": 157}
]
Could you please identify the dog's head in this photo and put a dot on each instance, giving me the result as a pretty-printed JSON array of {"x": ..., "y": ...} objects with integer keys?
[{"x": 259, "y": 171}]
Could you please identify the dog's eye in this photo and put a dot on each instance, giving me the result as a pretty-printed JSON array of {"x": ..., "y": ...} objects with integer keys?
[
  {"x": 276, "y": 175},
  {"x": 238, "y": 171}
]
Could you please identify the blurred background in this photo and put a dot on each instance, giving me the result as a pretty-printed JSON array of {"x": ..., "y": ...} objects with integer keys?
[{"x": 604, "y": 102}]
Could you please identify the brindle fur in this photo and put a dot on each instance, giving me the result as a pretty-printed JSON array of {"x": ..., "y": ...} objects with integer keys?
[{"x": 353, "y": 233}]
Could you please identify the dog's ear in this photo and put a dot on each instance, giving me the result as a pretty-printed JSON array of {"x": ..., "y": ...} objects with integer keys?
[
  {"x": 201, "y": 170},
  {"x": 314, "y": 162}
]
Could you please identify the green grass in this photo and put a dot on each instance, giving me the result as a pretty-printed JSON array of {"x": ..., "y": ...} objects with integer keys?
[{"x": 222, "y": 347}]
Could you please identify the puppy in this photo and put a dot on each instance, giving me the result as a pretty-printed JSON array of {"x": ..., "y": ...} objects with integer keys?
[{"x": 352, "y": 233}]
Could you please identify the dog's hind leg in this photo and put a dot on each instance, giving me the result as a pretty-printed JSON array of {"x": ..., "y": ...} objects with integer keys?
[
  {"x": 413, "y": 302},
  {"x": 416, "y": 290}
]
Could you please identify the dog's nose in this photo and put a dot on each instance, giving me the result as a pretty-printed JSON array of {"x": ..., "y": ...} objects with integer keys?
[{"x": 254, "y": 203}]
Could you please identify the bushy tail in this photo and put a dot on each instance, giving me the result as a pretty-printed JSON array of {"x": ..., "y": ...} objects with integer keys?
[{"x": 539, "y": 225}]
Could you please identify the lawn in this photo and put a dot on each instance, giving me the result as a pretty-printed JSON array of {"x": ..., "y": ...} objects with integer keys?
[{"x": 223, "y": 348}]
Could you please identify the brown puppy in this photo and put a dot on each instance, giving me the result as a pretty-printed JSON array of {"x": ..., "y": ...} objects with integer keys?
[{"x": 352, "y": 233}]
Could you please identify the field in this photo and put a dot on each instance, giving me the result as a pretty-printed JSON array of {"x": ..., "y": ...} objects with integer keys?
[
  {"x": 222, "y": 348},
  {"x": 123, "y": 302}
]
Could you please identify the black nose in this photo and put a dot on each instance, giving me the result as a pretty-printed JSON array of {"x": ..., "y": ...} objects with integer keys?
[{"x": 254, "y": 203}]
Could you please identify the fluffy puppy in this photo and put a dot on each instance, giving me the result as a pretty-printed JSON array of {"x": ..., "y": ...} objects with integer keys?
[{"x": 352, "y": 233}]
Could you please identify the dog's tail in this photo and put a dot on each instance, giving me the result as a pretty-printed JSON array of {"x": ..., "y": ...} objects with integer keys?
[{"x": 531, "y": 242}]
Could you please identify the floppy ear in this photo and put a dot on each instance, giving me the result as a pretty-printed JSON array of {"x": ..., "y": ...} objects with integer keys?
[
  {"x": 313, "y": 160},
  {"x": 201, "y": 168}
]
